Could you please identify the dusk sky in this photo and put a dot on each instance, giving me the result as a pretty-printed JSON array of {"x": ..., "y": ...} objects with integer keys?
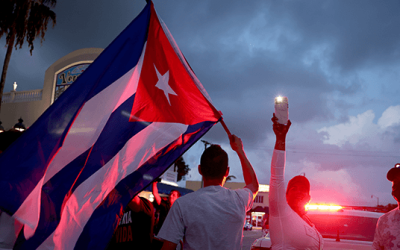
[{"x": 337, "y": 61}]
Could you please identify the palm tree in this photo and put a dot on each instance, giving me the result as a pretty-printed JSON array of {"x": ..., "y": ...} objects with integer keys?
[
  {"x": 181, "y": 168},
  {"x": 20, "y": 21},
  {"x": 230, "y": 177}
]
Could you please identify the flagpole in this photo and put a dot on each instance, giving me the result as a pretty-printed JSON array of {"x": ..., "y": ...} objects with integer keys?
[{"x": 225, "y": 127}]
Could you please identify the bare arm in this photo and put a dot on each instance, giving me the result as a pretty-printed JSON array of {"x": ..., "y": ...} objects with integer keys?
[
  {"x": 157, "y": 197},
  {"x": 277, "y": 197},
  {"x": 249, "y": 175},
  {"x": 168, "y": 245}
]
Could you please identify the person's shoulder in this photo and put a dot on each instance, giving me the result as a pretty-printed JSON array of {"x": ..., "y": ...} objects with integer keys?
[
  {"x": 146, "y": 203},
  {"x": 184, "y": 201},
  {"x": 188, "y": 196},
  {"x": 245, "y": 190},
  {"x": 218, "y": 191},
  {"x": 145, "y": 200},
  {"x": 244, "y": 194},
  {"x": 392, "y": 212},
  {"x": 193, "y": 196},
  {"x": 238, "y": 190},
  {"x": 385, "y": 218}
]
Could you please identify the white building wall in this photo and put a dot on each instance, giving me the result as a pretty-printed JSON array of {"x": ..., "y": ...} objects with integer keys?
[{"x": 29, "y": 105}]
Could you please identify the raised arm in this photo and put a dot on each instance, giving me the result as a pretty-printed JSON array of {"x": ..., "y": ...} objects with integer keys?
[
  {"x": 157, "y": 197},
  {"x": 249, "y": 175},
  {"x": 280, "y": 131},
  {"x": 277, "y": 197}
]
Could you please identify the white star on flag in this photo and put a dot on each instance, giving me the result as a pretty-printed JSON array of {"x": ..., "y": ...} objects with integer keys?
[{"x": 163, "y": 84}]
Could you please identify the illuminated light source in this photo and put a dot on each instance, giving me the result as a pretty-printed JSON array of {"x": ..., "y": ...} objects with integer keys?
[
  {"x": 323, "y": 207},
  {"x": 1, "y": 128},
  {"x": 151, "y": 197},
  {"x": 279, "y": 99},
  {"x": 263, "y": 188}
]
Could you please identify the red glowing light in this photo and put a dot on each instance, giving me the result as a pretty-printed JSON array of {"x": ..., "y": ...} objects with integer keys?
[{"x": 323, "y": 207}]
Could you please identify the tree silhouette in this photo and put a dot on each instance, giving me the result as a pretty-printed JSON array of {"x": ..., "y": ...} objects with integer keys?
[
  {"x": 182, "y": 168},
  {"x": 230, "y": 177},
  {"x": 20, "y": 21}
]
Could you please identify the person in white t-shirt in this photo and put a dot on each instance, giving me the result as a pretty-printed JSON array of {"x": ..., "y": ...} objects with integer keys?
[
  {"x": 212, "y": 217},
  {"x": 289, "y": 226},
  {"x": 387, "y": 232}
]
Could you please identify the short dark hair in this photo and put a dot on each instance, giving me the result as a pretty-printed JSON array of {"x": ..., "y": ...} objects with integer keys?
[
  {"x": 177, "y": 191},
  {"x": 214, "y": 162},
  {"x": 394, "y": 172},
  {"x": 298, "y": 180}
]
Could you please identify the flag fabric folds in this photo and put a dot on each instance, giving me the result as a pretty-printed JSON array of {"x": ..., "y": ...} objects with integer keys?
[{"x": 135, "y": 110}]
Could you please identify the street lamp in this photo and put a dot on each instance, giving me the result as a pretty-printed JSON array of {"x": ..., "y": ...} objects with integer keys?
[
  {"x": 19, "y": 126},
  {"x": 377, "y": 199}
]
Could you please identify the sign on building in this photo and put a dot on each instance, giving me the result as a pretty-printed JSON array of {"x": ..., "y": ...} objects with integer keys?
[{"x": 65, "y": 78}]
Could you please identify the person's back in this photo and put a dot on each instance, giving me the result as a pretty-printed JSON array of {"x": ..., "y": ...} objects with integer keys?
[
  {"x": 135, "y": 229},
  {"x": 212, "y": 217}
]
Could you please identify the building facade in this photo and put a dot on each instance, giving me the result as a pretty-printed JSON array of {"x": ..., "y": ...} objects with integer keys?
[{"x": 29, "y": 105}]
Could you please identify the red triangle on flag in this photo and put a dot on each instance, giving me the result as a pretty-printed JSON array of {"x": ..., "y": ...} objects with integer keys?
[{"x": 166, "y": 91}]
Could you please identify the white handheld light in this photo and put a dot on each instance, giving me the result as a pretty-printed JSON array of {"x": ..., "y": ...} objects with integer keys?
[{"x": 282, "y": 109}]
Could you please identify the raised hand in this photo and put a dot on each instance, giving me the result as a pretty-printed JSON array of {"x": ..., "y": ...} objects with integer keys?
[
  {"x": 236, "y": 143},
  {"x": 280, "y": 131}
]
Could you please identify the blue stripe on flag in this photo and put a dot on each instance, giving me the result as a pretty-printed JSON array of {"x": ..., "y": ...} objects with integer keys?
[
  {"x": 41, "y": 141},
  {"x": 114, "y": 136}
]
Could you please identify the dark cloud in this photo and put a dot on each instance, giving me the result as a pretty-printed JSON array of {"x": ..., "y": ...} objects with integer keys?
[
  {"x": 331, "y": 58},
  {"x": 241, "y": 50},
  {"x": 393, "y": 134},
  {"x": 361, "y": 32}
]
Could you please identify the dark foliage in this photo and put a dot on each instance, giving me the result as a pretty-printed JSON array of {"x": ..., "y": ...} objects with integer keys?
[{"x": 182, "y": 168}]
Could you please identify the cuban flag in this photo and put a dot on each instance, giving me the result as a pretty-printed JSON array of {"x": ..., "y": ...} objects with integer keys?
[{"x": 135, "y": 110}]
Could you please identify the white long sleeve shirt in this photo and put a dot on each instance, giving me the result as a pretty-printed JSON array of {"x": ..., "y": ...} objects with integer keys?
[{"x": 287, "y": 229}]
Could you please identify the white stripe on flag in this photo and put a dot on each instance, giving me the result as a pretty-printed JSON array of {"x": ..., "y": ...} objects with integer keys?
[
  {"x": 95, "y": 189},
  {"x": 183, "y": 60},
  {"x": 83, "y": 134}
]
